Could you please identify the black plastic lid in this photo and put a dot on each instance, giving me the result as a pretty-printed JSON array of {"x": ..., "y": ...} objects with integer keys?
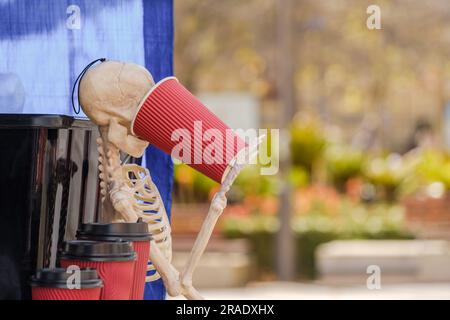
[
  {"x": 57, "y": 278},
  {"x": 98, "y": 250},
  {"x": 131, "y": 231}
]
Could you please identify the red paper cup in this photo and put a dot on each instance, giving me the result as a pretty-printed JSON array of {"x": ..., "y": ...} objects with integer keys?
[
  {"x": 169, "y": 107},
  {"x": 117, "y": 275},
  {"x": 114, "y": 262},
  {"x": 52, "y": 284},
  {"x": 142, "y": 249},
  {"x": 137, "y": 233}
]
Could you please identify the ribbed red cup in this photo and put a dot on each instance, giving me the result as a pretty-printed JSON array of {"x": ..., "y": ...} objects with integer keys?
[
  {"x": 51, "y": 284},
  {"x": 170, "y": 106},
  {"x": 41, "y": 293},
  {"x": 142, "y": 249},
  {"x": 135, "y": 232},
  {"x": 117, "y": 276},
  {"x": 113, "y": 260}
]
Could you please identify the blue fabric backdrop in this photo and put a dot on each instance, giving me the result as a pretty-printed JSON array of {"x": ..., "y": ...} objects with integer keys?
[{"x": 42, "y": 51}]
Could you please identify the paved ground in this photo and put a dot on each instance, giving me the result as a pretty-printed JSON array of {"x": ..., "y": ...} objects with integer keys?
[{"x": 303, "y": 291}]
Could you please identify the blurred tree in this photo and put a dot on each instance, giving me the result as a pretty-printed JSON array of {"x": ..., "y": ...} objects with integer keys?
[{"x": 343, "y": 70}]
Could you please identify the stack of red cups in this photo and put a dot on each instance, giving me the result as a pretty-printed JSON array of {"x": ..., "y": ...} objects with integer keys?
[
  {"x": 137, "y": 233},
  {"x": 111, "y": 258}
]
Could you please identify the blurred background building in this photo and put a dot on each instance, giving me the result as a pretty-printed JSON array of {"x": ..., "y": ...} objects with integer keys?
[{"x": 369, "y": 168}]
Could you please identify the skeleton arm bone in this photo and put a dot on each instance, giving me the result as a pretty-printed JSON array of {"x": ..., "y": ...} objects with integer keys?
[
  {"x": 170, "y": 276},
  {"x": 218, "y": 204}
]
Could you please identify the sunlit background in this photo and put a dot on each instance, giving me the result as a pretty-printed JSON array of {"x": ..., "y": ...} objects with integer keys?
[{"x": 365, "y": 115}]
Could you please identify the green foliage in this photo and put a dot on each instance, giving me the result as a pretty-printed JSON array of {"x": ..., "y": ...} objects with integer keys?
[
  {"x": 251, "y": 182},
  {"x": 395, "y": 176},
  {"x": 239, "y": 227},
  {"x": 307, "y": 144},
  {"x": 351, "y": 221},
  {"x": 342, "y": 164},
  {"x": 202, "y": 184},
  {"x": 354, "y": 221},
  {"x": 387, "y": 174},
  {"x": 435, "y": 167},
  {"x": 260, "y": 230},
  {"x": 298, "y": 177},
  {"x": 307, "y": 243},
  {"x": 191, "y": 185}
]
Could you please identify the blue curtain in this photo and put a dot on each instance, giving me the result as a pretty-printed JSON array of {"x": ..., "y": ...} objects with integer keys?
[
  {"x": 44, "y": 44},
  {"x": 158, "y": 47}
]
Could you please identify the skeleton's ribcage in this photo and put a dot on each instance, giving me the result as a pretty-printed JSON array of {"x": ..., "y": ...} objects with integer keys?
[{"x": 151, "y": 209}]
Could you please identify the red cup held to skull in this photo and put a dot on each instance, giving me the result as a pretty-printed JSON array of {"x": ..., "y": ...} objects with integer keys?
[{"x": 175, "y": 121}]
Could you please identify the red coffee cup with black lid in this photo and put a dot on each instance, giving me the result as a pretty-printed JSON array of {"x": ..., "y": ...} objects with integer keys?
[
  {"x": 137, "y": 233},
  {"x": 61, "y": 284},
  {"x": 114, "y": 261}
]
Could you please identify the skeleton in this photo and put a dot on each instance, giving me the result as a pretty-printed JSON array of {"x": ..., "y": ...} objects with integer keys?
[{"x": 110, "y": 94}]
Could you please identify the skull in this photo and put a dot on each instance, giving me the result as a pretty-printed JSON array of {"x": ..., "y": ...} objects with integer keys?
[{"x": 109, "y": 94}]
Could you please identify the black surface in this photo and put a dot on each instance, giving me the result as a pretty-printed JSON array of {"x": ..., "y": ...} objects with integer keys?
[
  {"x": 18, "y": 214},
  {"x": 58, "y": 277},
  {"x": 9, "y": 120},
  {"x": 98, "y": 250},
  {"x": 32, "y": 166},
  {"x": 137, "y": 231}
]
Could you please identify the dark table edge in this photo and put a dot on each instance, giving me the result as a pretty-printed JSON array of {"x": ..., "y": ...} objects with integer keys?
[{"x": 9, "y": 120}]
